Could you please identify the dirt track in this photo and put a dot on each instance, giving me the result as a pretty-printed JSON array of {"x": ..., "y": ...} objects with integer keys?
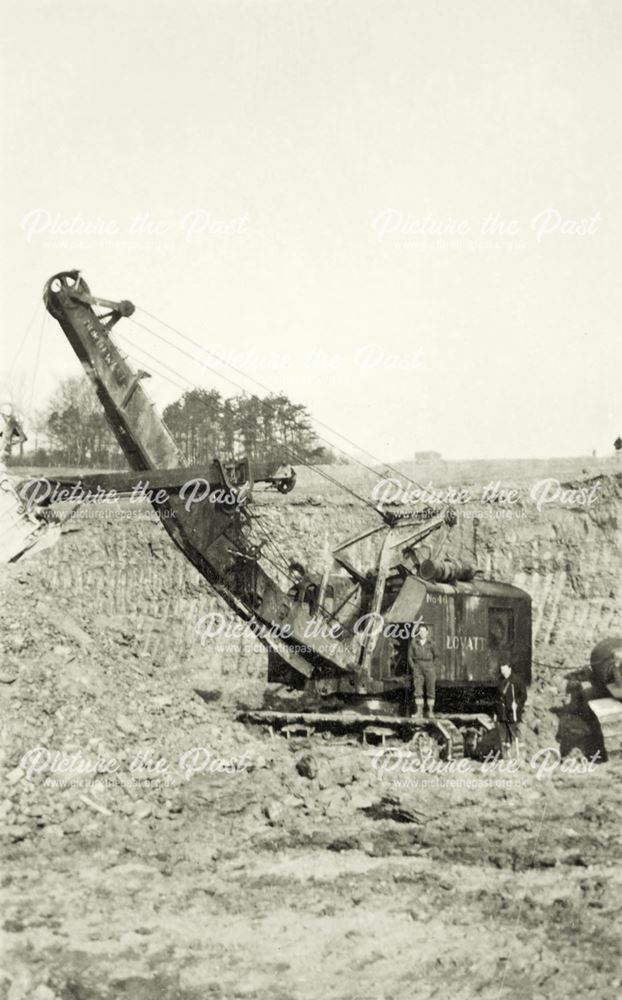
[{"x": 307, "y": 872}]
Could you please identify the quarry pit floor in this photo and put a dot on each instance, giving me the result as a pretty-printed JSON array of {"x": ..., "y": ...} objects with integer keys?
[{"x": 297, "y": 869}]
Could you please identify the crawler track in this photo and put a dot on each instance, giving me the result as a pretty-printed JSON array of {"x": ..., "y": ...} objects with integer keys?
[{"x": 451, "y": 736}]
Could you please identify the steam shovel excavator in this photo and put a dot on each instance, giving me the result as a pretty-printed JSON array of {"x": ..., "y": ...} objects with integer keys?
[{"x": 338, "y": 639}]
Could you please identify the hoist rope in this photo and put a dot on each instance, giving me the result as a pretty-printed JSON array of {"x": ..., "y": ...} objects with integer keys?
[
  {"x": 266, "y": 388},
  {"x": 288, "y": 448},
  {"x": 298, "y": 458},
  {"x": 246, "y": 393},
  {"x": 23, "y": 340}
]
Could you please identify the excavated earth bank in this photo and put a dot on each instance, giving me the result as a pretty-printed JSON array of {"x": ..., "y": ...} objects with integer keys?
[{"x": 302, "y": 870}]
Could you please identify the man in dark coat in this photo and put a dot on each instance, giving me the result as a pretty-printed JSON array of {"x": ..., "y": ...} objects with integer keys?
[
  {"x": 511, "y": 698},
  {"x": 422, "y": 664}
]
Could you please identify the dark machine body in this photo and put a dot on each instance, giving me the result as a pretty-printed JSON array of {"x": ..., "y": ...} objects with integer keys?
[
  {"x": 474, "y": 626},
  {"x": 311, "y": 625}
]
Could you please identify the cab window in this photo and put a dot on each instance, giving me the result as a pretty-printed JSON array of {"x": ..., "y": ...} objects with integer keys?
[{"x": 500, "y": 628}]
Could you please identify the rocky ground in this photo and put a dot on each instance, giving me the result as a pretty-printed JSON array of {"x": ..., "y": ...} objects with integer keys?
[{"x": 209, "y": 859}]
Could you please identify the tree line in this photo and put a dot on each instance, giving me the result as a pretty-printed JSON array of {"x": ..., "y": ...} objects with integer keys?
[
  {"x": 273, "y": 428},
  {"x": 72, "y": 430}
]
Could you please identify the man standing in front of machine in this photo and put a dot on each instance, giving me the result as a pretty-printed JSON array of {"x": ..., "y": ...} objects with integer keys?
[
  {"x": 511, "y": 698},
  {"x": 422, "y": 663}
]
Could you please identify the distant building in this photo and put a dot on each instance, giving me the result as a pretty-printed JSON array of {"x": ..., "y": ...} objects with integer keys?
[{"x": 428, "y": 456}]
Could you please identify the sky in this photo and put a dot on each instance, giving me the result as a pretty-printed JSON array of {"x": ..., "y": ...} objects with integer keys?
[{"x": 404, "y": 214}]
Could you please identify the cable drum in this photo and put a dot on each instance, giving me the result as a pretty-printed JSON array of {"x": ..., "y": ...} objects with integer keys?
[{"x": 446, "y": 571}]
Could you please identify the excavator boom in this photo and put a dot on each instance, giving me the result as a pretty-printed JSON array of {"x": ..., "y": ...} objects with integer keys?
[{"x": 216, "y": 534}]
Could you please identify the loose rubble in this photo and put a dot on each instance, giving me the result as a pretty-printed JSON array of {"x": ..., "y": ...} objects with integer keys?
[{"x": 209, "y": 859}]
